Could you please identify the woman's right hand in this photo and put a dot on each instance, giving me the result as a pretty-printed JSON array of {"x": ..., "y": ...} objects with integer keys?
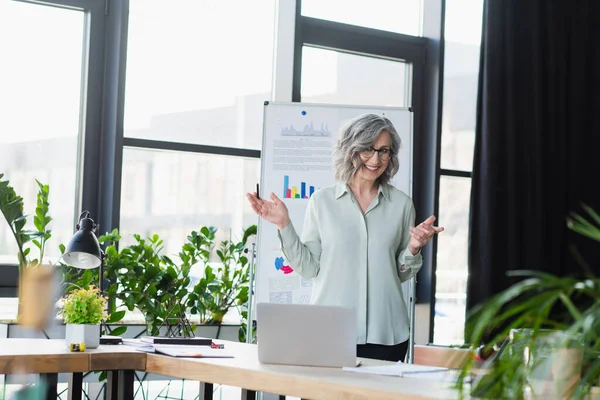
[{"x": 274, "y": 211}]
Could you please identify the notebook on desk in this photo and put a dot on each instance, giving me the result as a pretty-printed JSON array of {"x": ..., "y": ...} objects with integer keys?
[
  {"x": 310, "y": 335},
  {"x": 182, "y": 341}
]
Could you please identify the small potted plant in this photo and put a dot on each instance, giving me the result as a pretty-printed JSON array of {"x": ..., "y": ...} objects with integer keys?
[{"x": 82, "y": 311}]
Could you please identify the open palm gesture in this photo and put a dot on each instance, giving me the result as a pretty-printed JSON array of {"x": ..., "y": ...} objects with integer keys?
[{"x": 274, "y": 211}]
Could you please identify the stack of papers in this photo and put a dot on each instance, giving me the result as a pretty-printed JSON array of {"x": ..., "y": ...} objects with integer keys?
[
  {"x": 404, "y": 370},
  {"x": 191, "y": 351},
  {"x": 177, "y": 350},
  {"x": 139, "y": 345}
]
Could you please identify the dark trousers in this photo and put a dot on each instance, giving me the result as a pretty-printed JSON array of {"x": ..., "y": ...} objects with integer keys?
[{"x": 381, "y": 352}]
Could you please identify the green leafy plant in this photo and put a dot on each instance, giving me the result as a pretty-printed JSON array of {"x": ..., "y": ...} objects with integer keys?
[
  {"x": 223, "y": 286},
  {"x": 41, "y": 219},
  {"x": 243, "y": 331},
  {"x": 84, "y": 306},
  {"x": 11, "y": 206},
  {"x": 141, "y": 277},
  {"x": 545, "y": 306}
]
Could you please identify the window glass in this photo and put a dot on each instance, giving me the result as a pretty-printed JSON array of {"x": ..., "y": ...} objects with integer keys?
[
  {"x": 40, "y": 99},
  {"x": 334, "y": 77},
  {"x": 461, "y": 74},
  {"x": 199, "y": 71},
  {"x": 452, "y": 258},
  {"x": 172, "y": 193},
  {"x": 401, "y": 16}
]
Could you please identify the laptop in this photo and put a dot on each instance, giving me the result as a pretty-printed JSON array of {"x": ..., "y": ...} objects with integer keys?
[{"x": 308, "y": 335}]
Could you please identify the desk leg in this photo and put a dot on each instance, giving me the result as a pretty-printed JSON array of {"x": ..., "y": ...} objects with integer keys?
[
  {"x": 126, "y": 381},
  {"x": 111, "y": 389},
  {"x": 206, "y": 391},
  {"x": 248, "y": 394},
  {"x": 75, "y": 386},
  {"x": 51, "y": 381},
  {"x": 119, "y": 385}
]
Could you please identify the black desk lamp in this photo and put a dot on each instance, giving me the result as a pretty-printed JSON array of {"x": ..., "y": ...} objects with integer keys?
[{"x": 84, "y": 252}]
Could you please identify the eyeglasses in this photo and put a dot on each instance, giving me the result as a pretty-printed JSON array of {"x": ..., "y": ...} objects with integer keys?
[{"x": 383, "y": 153}]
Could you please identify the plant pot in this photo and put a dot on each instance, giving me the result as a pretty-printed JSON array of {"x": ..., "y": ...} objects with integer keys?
[
  {"x": 88, "y": 334},
  {"x": 553, "y": 359}
]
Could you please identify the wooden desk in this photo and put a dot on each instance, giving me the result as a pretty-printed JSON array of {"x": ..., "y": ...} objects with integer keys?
[
  {"x": 40, "y": 356},
  {"x": 50, "y": 357},
  {"x": 44, "y": 356},
  {"x": 440, "y": 356},
  {"x": 306, "y": 382},
  {"x": 116, "y": 357}
]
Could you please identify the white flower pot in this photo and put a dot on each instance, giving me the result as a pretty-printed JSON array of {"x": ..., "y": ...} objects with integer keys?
[{"x": 88, "y": 334}]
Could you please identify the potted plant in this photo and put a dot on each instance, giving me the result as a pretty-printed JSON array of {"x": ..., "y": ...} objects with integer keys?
[
  {"x": 546, "y": 333},
  {"x": 12, "y": 208},
  {"x": 82, "y": 311}
]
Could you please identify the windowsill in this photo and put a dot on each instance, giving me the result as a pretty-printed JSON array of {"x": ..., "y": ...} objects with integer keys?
[{"x": 9, "y": 307}]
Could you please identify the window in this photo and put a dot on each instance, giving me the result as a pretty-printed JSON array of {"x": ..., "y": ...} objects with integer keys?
[
  {"x": 400, "y": 16},
  {"x": 461, "y": 71},
  {"x": 451, "y": 273},
  {"x": 199, "y": 72},
  {"x": 331, "y": 77},
  {"x": 40, "y": 77},
  {"x": 172, "y": 193},
  {"x": 198, "y": 77}
]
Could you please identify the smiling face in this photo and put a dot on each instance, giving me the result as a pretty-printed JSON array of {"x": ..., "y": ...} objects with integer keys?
[{"x": 373, "y": 166}]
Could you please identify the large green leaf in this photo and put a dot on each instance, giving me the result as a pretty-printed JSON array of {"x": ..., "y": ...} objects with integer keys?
[
  {"x": 11, "y": 206},
  {"x": 116, "y": 316},
  {"x": 119, "y": 330}
]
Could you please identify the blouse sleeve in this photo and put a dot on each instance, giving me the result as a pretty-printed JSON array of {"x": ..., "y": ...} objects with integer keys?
[{"x": 303, "y": 253}]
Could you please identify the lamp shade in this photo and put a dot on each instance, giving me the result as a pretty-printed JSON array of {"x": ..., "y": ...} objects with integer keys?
[{"x": 84, "y": 250}]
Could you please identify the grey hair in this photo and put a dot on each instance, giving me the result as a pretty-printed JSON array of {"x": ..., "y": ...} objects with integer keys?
[{"x": 357, "y": 135}]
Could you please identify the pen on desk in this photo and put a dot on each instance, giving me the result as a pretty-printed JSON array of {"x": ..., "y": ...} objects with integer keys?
[{"x": 257, "y": 195}]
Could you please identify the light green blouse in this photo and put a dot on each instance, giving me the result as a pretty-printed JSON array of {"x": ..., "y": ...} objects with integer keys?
[{"x": 358, "y": 260}]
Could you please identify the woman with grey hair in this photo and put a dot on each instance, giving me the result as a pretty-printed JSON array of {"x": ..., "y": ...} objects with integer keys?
[{"x": 359, "y": 242}]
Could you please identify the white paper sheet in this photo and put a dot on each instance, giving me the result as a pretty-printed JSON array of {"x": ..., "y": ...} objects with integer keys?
[{"x": 404, "y": 370}]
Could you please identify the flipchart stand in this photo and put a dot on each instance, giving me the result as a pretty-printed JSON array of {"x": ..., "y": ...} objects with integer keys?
[
  {"x": 250, "y": 320},
  {"x": 412, "y": 288}
]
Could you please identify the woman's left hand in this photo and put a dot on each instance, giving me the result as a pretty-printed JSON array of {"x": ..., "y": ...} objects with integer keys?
[{"x": 421, "y": 234}]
